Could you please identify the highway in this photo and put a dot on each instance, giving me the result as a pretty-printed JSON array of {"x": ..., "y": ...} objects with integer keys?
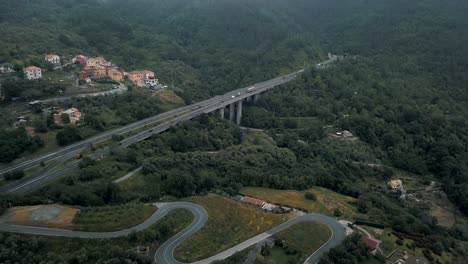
[
  {"x": 211, "y": 103},
  {"x": 165, "y": 253},
  {"x": 176, "y": 116}
]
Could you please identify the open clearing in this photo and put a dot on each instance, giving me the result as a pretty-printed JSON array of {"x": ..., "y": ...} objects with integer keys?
[
  {"x": 56, "y": 216},
  {"x": 229, "y": 223},
  {"x": 303, "y": 238},
  {"x": 169, "y": 96},
  {"x": 327, "y": 200},
  {"x": 109, "y": 218}
]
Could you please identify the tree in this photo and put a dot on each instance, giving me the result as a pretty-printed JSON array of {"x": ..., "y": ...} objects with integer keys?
[
  {"x": 65, "y": 118},
  {"x": 310, "y": 196},
  {"x": 68, "y": 135}
]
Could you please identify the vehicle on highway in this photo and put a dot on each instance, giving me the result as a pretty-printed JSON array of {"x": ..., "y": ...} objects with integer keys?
[
  {"x": 78, "y": 156},
  {"x": 233, "y": 96},
  {"x": 250, "y": 89},
  {"x": 238, "y": 93}
]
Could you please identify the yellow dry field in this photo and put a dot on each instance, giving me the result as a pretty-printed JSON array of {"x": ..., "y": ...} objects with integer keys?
[
  {"x": 20, "y": 215},
  {"x": 64, "y": 219},
  {"x": 445, "y": 217},
  {"x": 327, "y": 201},
  {"x": 229, "y": 223},
  {"x": 286, "y": 197},
  {"x": 170, "y": 97},
  {"x": 332, "y": 200}
]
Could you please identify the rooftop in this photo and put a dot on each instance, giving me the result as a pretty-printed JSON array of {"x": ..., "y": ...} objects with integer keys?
[
  {"x": 32, "y": 68},
  {"x": 371, "y": 243},
  {"x": 253, "y": 201}
]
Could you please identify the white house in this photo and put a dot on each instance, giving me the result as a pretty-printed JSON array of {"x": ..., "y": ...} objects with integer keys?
[
  {"x": 148, "y": 74},
  {"x": 151, "y": 82},
  {"x": 52, "y": 58},
  {"x": 6, "y": 68},
  {"x": 32, "y": 73}
]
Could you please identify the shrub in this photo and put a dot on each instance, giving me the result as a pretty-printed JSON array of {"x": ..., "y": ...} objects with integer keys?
[
  {"x": 14, "y": 175},
  {"x": 310, "y": 196}
]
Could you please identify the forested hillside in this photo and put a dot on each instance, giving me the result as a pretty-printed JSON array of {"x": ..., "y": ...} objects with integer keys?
[
  {"x": 403, "y": 93},
  {"x": 206, "y": 47}
]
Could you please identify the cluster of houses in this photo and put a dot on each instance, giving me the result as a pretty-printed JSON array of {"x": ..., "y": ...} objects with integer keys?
[
  {"x": 99, "y": 67},
  {"x": 95, "y": 67},
  {"x": 269, "y": 207}
]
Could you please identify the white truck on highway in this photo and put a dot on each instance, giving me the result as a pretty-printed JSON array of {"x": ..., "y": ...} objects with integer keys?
[{"x": 250, "y": 89}]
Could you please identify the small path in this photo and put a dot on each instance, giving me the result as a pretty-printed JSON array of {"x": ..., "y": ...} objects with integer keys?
[{"x": 128, "y": 175}]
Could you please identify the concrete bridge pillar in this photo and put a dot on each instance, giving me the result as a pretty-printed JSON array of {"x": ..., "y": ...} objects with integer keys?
[
  {"x": 231, "y": 112},
  {"x": 239, "y": 112},
  {"x": 256, "y": 97},
  {"x": 221, "y": 112}
]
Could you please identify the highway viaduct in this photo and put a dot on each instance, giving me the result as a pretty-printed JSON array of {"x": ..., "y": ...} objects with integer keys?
[{"x": 232, "y": 100}]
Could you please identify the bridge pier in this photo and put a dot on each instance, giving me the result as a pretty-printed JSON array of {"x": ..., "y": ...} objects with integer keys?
[
  {"x": 239, "y": 112},
  {"x": 221, "y": 112},
  {"x": 255, "y": 99},
  {"x": 231, "y": 112}
]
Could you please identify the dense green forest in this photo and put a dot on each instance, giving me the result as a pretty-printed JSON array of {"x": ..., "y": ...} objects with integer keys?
[{"x": 403, "y": 96}]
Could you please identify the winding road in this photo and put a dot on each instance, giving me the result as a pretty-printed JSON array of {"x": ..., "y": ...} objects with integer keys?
[{"x": 165, "y": 253}]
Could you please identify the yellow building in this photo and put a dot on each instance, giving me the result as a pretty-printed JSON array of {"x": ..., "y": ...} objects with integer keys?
[
  {"x": 134, "y": 76},
  {"x": 115, "y": 74},
  {"x": 99, "y": 71}
]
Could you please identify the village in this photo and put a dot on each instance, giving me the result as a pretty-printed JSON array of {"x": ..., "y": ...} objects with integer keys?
[
  {"x": 64, "y": 77},
  {"x": 92, "y": 70}
]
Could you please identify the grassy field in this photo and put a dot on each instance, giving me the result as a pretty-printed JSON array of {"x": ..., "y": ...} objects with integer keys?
[
  {"x": 277, "y": 255},
  {"x": 230, "y": 223},
  {"x": 112, "y": 218},
  {"x": 327, "y": 200},
  {"x": 257, "y": 137},
  {"x": 389, "y": 244},
  {"x": 305, "y": 237},
  {"x": 238, "y": 257},
  {"x": 153, "y": 237}
]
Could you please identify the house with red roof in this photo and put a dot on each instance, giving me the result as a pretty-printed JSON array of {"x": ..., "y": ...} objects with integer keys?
[
  {"x": 371, "y": 243},
  {"x": 253, "y": 201},
  {"x": 141, "y": 77},
  {"x": 83, "y": 75},
  {"x": 52, "y": 58},
  {"x": 32, "y": 73},
  {"x": 81, "y": 59},
  {"x": 30, "y": 131},
  {"x": 73, "y": 113}
]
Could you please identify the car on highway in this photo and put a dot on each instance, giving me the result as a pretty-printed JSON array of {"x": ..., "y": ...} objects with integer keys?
[
  {"x": 250, "y": 89},
  {"x": 233, "y": 96}
]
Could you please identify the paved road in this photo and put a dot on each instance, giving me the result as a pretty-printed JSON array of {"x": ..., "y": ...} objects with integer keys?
[
  {"x": 128, "y": 175},
  {"x": 200, "y": 107},
  {"x": 164, "y": 254},
  {"x": 121, "y": 89},
  {"x": 198, "y": 211},
  {"x": 178, "y": 115}
]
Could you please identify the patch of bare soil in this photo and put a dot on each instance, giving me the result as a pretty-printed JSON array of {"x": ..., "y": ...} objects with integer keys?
[{"x": 55, "y": 216}]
